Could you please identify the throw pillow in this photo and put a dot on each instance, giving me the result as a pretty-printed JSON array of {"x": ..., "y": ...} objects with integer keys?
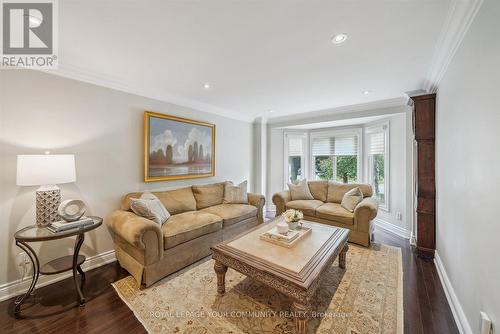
[
  {"x": 351, "y": 199},
  {"x": 235, "y": 194},
  {"x": 150, "y": 207},
  {"x": 300, "y": 190}
]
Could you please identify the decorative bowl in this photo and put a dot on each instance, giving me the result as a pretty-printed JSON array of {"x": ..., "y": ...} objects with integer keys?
[
  {"x": 293, "y": 225},
  {"x": 282, "y": 227},
  {"x": 71, "y": 210}
]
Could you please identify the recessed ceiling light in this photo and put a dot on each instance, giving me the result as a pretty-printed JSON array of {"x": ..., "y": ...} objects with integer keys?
[
  {"x": 270, "y": 110},
  {"x": 366, "y": 92},
  {"x": 206, "y": 85},
  {"x": 339, "y": 38}
]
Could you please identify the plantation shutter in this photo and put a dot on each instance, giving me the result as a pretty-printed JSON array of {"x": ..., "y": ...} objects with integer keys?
[
  {"x": 377, "y": 143},
  {"x": 295, "y": 146},
  {"x": 323, "y": 146},
  {"x": 346, "y": 145}
]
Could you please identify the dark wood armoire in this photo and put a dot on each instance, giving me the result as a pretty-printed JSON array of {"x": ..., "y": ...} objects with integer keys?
[{"x": 424, "y": 120}]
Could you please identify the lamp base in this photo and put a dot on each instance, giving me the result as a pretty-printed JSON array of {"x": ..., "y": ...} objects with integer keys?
[{"x": 47, "y": 203}]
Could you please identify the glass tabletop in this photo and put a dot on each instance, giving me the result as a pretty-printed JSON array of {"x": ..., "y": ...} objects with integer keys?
[{"x": 35, "y": 233}]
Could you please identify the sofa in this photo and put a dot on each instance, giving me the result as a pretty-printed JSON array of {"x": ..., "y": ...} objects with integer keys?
[
  {"x": 199, "y": 219},
  {"x": 325, "y": 208}
]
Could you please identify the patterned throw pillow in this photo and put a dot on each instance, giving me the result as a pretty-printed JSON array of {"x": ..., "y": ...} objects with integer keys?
[
  {"x": 150, "y": 207},
  {"x": 300, "y": 190},
  {"x": 235, "y": 194},
  {"x": 351, "y": 199}
]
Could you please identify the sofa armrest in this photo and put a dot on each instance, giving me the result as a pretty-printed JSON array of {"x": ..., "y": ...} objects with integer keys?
[
  {"x": 258, "y": 201},
  {"x": 280, "y": 199},
  {"x": 139, "y": 232},
  {"x": 364, "y": 212}
]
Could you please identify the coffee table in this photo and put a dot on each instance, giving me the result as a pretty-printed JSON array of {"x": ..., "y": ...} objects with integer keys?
[{"x": 295, "y": 272}]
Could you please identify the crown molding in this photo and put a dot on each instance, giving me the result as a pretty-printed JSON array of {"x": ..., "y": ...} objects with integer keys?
[
  {"x": 457, "y": 22},
  {"x": 80, "y": 74},
  {"x": 339, "y": 112}
]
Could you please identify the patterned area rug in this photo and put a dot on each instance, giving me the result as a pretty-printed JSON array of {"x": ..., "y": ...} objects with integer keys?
[{"x": 367, "y": 297}]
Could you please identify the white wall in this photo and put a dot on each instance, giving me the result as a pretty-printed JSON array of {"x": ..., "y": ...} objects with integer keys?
[
  {"x": 400, "y": 166},
  {"x": 399, "y": 178},
  {"x": 104, "y": 129},
  {"x": 468, "y": 165}
]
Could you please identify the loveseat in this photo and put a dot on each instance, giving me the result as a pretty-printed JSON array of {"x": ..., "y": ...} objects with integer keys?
[
  {"x": 325, "y": 208},
  {"x": 198, "y": 220}
]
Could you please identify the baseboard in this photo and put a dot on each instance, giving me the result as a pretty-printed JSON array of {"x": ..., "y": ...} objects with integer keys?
[
  {"x": 457, "y": 310},
  {"x": 18, "y": 287},
  {"x": 391, "y": 228}
]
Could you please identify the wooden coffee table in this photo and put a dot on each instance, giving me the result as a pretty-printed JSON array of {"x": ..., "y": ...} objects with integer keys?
[{"x": 295, "y": 272}]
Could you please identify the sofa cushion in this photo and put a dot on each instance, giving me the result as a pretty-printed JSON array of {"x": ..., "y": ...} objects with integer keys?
[
  {"x": 178, "y": 200},
  {"x": 150, "y": 207},
  {"x": 188, "y": 226},
  {"x": 208, "y": 195},
  {"x": 232, "y": 213},
  {"x": 300, "y": 190},
  {"x": 335, "y": 212},
  {"x": 235, "y": 194},
  {"x": 319, "y": 189},
  {"x": 307, "y": 206},
  {"x": 336, "y": 191},
  {"x": 351, "y": 199}
]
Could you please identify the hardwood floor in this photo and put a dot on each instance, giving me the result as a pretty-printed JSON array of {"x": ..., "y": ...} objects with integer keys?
[
  {"x": 425, "y": 306},
  {"x": 426, "y": 309}
]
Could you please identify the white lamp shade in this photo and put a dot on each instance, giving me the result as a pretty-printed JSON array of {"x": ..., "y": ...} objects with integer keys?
[{"x": 45, "y": 169}]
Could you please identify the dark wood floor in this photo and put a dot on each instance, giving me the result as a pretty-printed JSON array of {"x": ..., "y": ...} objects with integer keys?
[{"x": 426, "y": 310}]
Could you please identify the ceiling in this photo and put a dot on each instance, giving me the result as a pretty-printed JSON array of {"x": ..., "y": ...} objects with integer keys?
[{"x": 256, "y": 55}]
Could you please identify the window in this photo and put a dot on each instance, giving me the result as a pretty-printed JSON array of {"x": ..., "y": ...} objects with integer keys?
[
  {"x": 377, "y": 159},
  {"x": 295, "y": 155},
  {"x": 335, "y": 157}
]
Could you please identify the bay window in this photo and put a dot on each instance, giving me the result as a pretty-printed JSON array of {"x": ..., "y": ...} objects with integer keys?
[
  {"x": 335, "y": 157},
  {"x": 377, "y": 163},
  {"x": 295, "y": 145}
]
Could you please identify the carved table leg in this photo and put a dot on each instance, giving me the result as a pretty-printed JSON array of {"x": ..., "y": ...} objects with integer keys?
[
  {"x": 342, "y": 256},
  {"x": 76, "y": 268},
  {"x": 301, "y": 313},
  {"x": 220, "y": 270},
  {"x": 36, "y": 272}
]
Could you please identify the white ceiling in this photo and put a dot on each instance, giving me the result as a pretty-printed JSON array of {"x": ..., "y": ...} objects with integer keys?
[{"x": 257, "y": 55}]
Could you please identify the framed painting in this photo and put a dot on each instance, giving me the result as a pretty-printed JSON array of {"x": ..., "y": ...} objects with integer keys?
[{"x": 177, "y": 148}]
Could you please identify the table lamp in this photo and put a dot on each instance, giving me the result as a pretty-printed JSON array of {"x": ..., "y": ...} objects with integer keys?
[{"x": 46, "y": 171}]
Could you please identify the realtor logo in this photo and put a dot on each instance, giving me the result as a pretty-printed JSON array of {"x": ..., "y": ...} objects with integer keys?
[{"x": 29, "y": 34}]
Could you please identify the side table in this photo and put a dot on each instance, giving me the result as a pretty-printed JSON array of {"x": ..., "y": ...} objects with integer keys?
[{"x": 73, "y": 262}]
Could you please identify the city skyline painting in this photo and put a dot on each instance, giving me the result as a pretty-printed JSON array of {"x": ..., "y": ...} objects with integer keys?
[{"x": 177, "y": 148}]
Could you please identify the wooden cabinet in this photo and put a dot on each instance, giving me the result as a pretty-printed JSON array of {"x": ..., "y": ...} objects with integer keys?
[{"x": 424, "y": 112}]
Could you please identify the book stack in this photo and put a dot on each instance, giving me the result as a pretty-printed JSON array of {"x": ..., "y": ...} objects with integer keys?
[
  {"x": 287, "y": 240},
  {"x": 288, "y": 237},
  {"x": 63, "y": 225}
]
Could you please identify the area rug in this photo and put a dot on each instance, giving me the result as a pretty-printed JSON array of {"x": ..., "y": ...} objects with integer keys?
[{"x": 365, "y": 298}]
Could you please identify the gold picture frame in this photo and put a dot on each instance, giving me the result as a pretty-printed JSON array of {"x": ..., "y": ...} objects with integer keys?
[{"x": 175, "y": 153}]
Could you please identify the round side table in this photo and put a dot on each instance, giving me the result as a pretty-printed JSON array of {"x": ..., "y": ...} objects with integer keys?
[{"x": 73, "y": 262}]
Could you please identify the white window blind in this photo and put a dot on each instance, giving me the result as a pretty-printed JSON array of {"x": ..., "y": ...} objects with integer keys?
[
  {"x": 346, "y": 145},
  {"x": 323, "y": 146},
  {"x": 377, "y": 143},
  {"x": 295, "y": 146},
  {"x": 335, "y": 145}
]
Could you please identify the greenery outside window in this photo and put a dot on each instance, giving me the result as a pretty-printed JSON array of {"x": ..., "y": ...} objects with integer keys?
[{"x": 335, "y": 157}]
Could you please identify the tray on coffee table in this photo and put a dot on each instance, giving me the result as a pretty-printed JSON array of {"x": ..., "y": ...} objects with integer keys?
[{"x": 273, "y": 236}]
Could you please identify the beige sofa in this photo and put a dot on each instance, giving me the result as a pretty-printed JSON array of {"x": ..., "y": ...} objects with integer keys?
[
  {"x": 325, "y": 208},
  {"x": 199, "y": 220}
]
